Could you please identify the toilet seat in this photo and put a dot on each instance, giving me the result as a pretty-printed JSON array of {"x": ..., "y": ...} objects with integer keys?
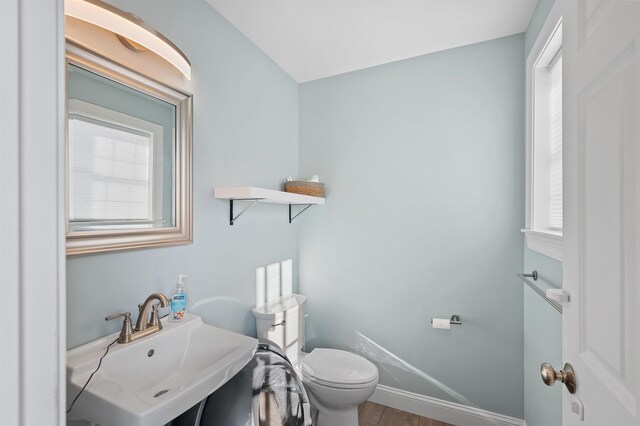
[{"x": 338, "y": 369}]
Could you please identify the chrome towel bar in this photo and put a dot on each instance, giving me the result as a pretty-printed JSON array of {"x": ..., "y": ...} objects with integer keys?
[{"x": 538, "y": 290}]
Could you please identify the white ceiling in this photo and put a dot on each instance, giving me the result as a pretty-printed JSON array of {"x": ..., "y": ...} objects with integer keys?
[{"x": 312, "y": 39}]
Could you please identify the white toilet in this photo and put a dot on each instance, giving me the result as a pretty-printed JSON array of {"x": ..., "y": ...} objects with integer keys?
[{"x": 336, "y": 381}]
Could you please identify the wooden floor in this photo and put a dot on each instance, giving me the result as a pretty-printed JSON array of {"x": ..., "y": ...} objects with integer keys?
[{"x": 372, "y": 414}]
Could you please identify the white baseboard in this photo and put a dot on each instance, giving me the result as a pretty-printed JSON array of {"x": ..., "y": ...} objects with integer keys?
[{"x": 438, "y": 409}]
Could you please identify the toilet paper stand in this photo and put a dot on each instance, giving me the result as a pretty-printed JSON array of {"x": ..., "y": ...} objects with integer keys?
[{"x": 455, "y": 320}]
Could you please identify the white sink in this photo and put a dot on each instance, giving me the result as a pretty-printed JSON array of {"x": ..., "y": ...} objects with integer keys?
[{"x": 189, "y": 361}]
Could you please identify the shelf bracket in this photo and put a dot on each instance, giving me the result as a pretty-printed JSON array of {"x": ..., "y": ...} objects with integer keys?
[
  {"x": 299, "y": 213},
  {"x": 232, "y": 219}
]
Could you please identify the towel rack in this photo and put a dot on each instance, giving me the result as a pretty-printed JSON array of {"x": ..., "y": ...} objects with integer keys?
[{"x": 538, "y": 290}]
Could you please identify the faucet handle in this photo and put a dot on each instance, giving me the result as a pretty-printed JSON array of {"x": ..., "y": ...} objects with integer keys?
[
  {"x": 155, "y": 317},
  {"x": 127, "y": 330},
  {"x": 114, "y": 316}
]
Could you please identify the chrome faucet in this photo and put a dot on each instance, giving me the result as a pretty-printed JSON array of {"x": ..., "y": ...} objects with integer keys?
[{"x": 143, "y": 327}]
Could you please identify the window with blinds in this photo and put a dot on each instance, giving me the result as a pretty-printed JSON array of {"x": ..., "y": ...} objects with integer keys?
[
  {"x": 111, "y": 169},
  {"x": 110, "y": 173},
  {"x": 547, "y": 138},
  {"x": 543, "y": 213}
]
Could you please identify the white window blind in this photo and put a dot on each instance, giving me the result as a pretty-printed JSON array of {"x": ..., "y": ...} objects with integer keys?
[
  {"x": 110, "y": 171},
  {"x": 555, "y": 120}
]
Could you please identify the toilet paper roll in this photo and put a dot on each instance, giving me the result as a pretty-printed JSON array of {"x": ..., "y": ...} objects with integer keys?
[{"x": 441, "y": 323}]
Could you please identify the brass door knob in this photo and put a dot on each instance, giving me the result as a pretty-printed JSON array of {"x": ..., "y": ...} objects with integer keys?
[{"x": 566, "y": 375}]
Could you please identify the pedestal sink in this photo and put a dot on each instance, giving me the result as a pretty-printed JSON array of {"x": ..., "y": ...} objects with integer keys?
[{"x": 153, "y": 380}]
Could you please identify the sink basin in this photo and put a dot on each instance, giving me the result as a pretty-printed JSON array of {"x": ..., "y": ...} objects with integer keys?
[{"x": 153, "y": 380}]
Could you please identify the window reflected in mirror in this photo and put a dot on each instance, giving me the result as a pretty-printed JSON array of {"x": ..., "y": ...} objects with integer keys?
[{"x": 121, "y": 155}]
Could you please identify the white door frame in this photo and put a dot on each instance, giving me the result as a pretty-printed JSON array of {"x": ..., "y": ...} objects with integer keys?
[{"x": 32, "y": 242}]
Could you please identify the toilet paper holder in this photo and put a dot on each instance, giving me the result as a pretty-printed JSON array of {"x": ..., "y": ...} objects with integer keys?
[{"x": 455, "y": 320}]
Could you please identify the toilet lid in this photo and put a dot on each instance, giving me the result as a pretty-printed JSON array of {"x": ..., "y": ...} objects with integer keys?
[{"x": 339, "y": 367}]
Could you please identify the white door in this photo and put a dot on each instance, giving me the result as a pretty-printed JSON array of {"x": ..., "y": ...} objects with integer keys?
[{"x": 601, "y": 323}]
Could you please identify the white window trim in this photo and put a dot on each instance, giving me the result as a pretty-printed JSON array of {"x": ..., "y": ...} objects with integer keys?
[
  {"x": 546, "y": 242},
  {"x": 96, "y": 112}
]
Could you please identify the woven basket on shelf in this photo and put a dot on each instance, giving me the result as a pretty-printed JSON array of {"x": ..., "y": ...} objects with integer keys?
[{"x": 314, "y": 189}]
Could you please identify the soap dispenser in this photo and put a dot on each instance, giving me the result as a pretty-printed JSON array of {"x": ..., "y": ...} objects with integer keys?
[{"x": 179, "y": 300}]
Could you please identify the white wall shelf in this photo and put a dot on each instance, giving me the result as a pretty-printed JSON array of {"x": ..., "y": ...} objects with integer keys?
[{"x": 261, "y": 195}]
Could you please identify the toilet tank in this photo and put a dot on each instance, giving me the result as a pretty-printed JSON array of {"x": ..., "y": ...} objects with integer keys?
[{"x": 281, "y": 321}]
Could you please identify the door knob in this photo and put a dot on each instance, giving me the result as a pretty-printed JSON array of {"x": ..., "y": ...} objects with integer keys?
[{"x": 566, "y": 375}]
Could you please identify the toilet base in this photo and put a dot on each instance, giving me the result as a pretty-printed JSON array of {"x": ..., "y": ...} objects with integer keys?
[
  {"x": 343, "y": 417},
  {"x": 322, "y": 416},
  {"x": 335, "y": 406}
]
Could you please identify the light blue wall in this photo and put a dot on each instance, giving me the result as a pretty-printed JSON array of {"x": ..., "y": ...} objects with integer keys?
[
  {"x": 542, "y": 323},
  {"x": 536, "y": 22},
  {"x": 245, "y": 133},
  {"x": 542, "y": 343},
  {"x": 423, "y": 161}
]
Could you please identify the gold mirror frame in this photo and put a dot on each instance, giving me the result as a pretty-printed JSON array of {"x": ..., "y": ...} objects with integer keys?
[{"x": 87, "y": 242}]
